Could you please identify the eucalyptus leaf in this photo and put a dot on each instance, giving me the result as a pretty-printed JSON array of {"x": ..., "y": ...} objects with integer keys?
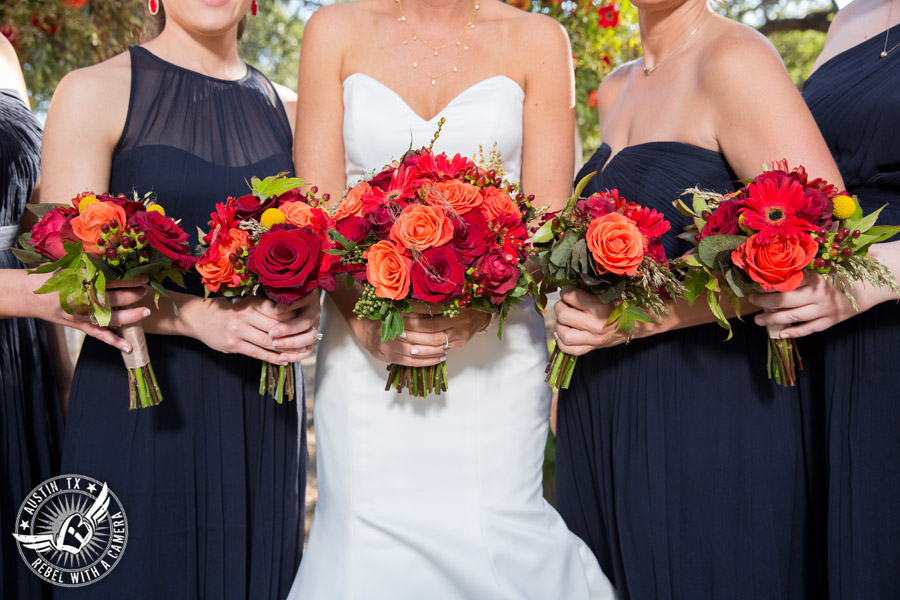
[
  {"x": 543, "y": 234},
  {"x": 710, "y": 247},
  {"x": 42, "y": 210},
  {"x": 613, "y": 292},
  {"x": 695, "y": 284},
  {"x": 562, "y": 250},
  {"x": 739, "y": 283}
]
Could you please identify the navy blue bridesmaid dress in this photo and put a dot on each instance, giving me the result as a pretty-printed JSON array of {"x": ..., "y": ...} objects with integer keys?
[
  {"x": 212, "y": 480},
  {"x": 855, "y": 99},
  {"x": 30, "y": 419},
  {"x": 677, "y": 460}
]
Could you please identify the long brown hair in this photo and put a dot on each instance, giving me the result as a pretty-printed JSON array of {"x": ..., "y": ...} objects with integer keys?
[{"x": 159, "y": 20}]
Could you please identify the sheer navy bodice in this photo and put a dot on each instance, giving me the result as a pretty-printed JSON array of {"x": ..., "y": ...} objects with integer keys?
[{"x": 213, "y": 478}]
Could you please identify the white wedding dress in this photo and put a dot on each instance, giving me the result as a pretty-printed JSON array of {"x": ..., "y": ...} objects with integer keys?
[{"x": 437, "y": 498}]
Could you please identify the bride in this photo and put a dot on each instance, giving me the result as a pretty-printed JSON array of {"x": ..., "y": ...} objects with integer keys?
[{"x": 437, "y": 498}]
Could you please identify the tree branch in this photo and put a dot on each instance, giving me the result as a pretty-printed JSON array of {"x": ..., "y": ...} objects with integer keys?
[{"x": 815, "y": 21}]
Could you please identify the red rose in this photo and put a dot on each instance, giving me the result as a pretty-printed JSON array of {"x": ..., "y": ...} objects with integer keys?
[
  {"x": 167, "y": 237},
  {"x": 819, "y": 208},
  {"x": 129, "y": 206},
  {"x": 294, "y": 195},
  {"x": 723, "y": 220},
  {"x": 470, "y": 236},
  {"x": 777, "y": 265},
  {"x": 249, "y": 207},
  {"x": 382, "y": 217},
  {"x": 498, "y": 273},
  {"x": 599, "y": 204},
  {"x": 355, "y": 229},
  {"x": 45, "y": 236},
  {"x": 437, "y": 275},
  {"x": 286, "y": 260}
]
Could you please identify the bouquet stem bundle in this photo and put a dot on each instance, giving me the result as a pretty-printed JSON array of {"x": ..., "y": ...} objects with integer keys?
[
  {"x": 784, "y": 358},
  {"x": 418, "y": 381},
  {"x": 559, "y": 369},
  {"x": 277, "y": 381},
  {"x": 143, "y": 389}
]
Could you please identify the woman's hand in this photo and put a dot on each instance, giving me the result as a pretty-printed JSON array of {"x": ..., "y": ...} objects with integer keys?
[
  {"x": 581, "y": 323},
  {"x": 122, "y": 294},
  {"x": 255, "y": 327},
  {"x": 814, "y": 306}
]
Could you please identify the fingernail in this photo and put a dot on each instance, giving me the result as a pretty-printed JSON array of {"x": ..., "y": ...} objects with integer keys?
[
  {"x": 275, "y": 333},
  {"x": 276, "y": 344},
  {"x": 146, "y": 312},
  {"x": 126, "y": 349},
  {"x": 414, "y": 351},
  {"x": 443, "y": 358},
  {"x": 403, "y": 335},
  {"x": 144, "y": 279}
]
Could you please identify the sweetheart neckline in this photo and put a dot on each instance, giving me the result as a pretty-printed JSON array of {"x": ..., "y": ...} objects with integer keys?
[
  {"x": 612, "y": 156},
  {"x": 446, "y": 106}
]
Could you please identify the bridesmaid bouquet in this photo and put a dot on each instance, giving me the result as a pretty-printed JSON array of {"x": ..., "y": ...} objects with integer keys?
[
  {"x": 101, "y": 238},
  {"x": 268, "y": 243},
  {"x": 435, "y": 230},
  {"x": 611, "y": 248},
  {"x": 765, "y": 235}
]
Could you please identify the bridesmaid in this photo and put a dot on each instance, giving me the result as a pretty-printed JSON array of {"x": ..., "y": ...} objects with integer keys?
[
  {"x": 854, "y": 95},
  {"x": 30, "y": 409},
  {"x": 212, "y": 480},
  {"x": 678, "y": 461}
]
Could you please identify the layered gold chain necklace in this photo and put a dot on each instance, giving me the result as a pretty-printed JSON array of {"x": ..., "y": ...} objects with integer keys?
[{"x": 461, "y": 42}]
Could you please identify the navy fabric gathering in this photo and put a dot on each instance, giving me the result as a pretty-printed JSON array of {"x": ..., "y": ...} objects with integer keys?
[
  {"x": 678, "y": 462},
  {"x": 30, "y": 419},
  {"x": 855, "y": 99},
  {"x": 213, "y": 479}
]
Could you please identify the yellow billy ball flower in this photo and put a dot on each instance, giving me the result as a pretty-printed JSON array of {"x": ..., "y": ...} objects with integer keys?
[
  {"x": 271, "y": 217},
  {"x": 85, "y": 201},
  {"x": 157, "y": 208},
  {"x": 844, "y": 207}
]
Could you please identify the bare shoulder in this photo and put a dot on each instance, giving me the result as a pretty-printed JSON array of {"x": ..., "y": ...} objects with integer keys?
[
  {"x": 612, "y": 86},
  {"x": 335, "y": 20},
  {"x": 98, "y": 95},
  {"x": 535, "y": 31},
  {"x": 735, "y": 54},
  {"x": 285, "y": 93}
]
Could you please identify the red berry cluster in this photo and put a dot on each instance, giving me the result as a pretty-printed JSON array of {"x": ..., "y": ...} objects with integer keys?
[
  {"x": 833, "y": 247},
  {"x": 123, "y": 247}
]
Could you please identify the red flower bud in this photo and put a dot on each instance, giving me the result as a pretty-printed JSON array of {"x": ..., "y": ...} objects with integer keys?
[{"x": 846, "y": 252}]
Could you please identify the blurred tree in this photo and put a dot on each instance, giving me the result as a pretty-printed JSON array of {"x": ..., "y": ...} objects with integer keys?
[{"x": 53, "y": 37}]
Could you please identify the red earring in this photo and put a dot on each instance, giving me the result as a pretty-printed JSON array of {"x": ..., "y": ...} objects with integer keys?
[
  {"x": 253, "y": 8},
  {"x": 153, "y": 5}
]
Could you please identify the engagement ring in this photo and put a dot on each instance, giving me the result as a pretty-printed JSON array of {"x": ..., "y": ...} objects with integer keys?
[
  {"x": 319, "y": 335},
  {"x": 446, "y": 341}
]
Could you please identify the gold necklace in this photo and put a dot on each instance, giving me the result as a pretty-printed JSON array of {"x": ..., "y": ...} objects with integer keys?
[
  {"x": 887, "y": 32},
  {"x": 649, "y": 71},
  {"x": 461, "y": 42}
]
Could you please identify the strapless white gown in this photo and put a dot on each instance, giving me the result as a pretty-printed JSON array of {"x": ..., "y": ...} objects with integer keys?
[{"x": 437, "y": 498}]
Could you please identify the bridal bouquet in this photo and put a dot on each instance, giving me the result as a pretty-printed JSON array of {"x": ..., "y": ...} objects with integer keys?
[
  {"x": 101, "y": 238},
  {"x": 435, "y": 230},
  {"x": 765, "y": 235},
  {"x": 268, "y": 243},
  {"x": 611, "y": 248}
]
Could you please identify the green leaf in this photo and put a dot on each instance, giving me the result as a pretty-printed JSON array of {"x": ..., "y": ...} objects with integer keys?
[
  {"x": 337, "y": 237},
  {"x": 579, "y": 187},
  {"x": 613, "y": 292},
  {"x": 863, "y": 224},
  {"x": 42, "y": 210},
  {"x": 64, "y": 282},
  {"x": 561, "y": 254},
  {"x": 695, "y": 284},
  {"x": 739, "y": 283},
  {"x": 710, "y": 247},
  {"x": 699, "y": 204},
  {"x": 712, "y": 298},
  {"x": 581, "y": 258},
  {"x": 544, "y": 233},
  {"x": 275, "y": 185},
  {"x": 102, "y": 311}
]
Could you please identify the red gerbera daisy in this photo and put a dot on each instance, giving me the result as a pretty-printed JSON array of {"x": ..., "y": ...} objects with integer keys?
[
  {"x": 771, "y": 209},
  {"x": 439, "y": 167},
  {"x": 399, "y": 189}
]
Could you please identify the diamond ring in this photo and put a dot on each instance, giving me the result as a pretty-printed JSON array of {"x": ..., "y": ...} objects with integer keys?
[
  {"x": 446, "y": 341},
  {"x": 319, "y": 334}
]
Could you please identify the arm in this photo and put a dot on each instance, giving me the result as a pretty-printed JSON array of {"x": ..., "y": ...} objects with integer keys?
[{"x": 10, "y": 71}]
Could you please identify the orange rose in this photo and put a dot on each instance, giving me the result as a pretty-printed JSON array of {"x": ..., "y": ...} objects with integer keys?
[
  {"x": 777, "y": 265},
  {"x": 616, "y": 244},
  {"x": 388, "y": 270},
  {"x": 221, "y": 271},
  {"x": 302, "y": 214},
  {"x": 86, "y": 226},
  {"x": 351, "y": 205},
  {"x": 420, "y": 227},
  {"x": 462, "y": 197},
  {"x": 497, "y": 202}
]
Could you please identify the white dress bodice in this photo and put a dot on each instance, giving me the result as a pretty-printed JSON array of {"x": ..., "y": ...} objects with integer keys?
[{"x": 437, "y": 498}]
